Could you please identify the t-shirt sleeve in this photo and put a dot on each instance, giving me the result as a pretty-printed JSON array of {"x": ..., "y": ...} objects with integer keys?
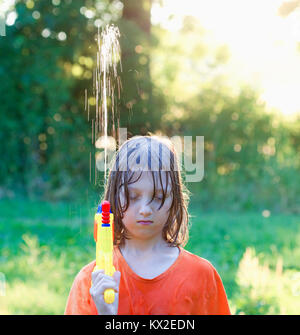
[
  {"x": 218, "y": 303},
  {"x": 79, "y": 300}
]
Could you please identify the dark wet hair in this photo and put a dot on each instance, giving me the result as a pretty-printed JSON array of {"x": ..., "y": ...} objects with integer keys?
[{"x": 156, "y": 155}]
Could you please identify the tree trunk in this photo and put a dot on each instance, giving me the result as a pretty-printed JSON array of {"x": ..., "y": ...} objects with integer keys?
[
  {"x": 138, "y": 12},
  {"x": 138, "y": 113}
]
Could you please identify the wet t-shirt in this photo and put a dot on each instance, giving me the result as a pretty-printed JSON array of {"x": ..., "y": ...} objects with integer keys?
[{"x": 190, "y": 286}]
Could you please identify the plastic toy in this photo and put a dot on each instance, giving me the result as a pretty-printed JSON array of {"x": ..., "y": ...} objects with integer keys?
[{"x": 103, "y": 235}]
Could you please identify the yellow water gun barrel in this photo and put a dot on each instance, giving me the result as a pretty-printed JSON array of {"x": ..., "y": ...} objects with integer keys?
[{"x": 103, "y": 234}]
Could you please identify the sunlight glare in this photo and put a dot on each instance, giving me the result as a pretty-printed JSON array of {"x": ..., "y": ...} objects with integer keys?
[{"x": 263, "y": 45}]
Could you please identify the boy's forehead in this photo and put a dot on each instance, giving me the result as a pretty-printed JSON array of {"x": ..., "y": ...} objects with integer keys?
[{"x": 146, "y": 182}]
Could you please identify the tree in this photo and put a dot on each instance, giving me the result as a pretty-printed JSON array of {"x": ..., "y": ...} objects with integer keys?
[
  {"x": 141, "y": 109},
  {"x": 46, "y": 63}
]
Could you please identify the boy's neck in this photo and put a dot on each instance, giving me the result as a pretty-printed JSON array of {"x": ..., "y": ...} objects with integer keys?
[{"x": 134, "y": 248}]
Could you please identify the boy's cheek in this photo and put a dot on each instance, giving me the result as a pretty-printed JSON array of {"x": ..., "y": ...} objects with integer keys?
[{"x": 167, "y": 206}]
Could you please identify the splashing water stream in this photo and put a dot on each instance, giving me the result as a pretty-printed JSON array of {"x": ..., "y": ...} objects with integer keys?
[{"x": 105, "y": 80}]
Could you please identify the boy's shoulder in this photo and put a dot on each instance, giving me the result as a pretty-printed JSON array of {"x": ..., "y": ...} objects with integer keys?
[
  {"x": 197, "y": 263},
  {"x": 85, "y": 273}
]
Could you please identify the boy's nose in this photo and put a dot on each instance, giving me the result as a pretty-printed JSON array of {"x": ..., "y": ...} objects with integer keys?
[{"x": 145, "y": 210}]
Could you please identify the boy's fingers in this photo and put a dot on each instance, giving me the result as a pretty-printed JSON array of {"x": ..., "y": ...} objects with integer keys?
[
  {"x": 101, "y": 287},
  {"x": 96, "y": 274},
  {"x": 109, "y": 285},
  {"x": 105, "y": 280},
  {"x": 101, "y": 282}
]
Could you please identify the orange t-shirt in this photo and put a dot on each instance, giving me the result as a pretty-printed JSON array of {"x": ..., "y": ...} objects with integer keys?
[{"x": 190, "y": 286}]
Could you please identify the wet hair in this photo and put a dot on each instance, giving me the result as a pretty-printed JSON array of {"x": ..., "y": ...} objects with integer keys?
[{"x": 156, "y": 155}]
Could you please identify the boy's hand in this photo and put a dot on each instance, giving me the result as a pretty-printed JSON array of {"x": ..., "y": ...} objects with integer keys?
[{"x": 100, "y": 282}]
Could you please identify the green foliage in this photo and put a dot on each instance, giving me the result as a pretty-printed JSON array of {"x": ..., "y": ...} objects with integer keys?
[
  {"x": 26, "y": 275},
  {"x": 251, "y": 154},
  {"x": 41, "y": 252},
  {"x": 46, "y": 66},
  {"x": 42, "y": 101},
  {"x": 222, "y": 238},
  {"x": 256, "y": 158},
  {"x": 263, "y": 290}
]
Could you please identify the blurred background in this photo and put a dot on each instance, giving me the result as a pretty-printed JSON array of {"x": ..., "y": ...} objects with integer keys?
[{"x": 228, "y": 71}]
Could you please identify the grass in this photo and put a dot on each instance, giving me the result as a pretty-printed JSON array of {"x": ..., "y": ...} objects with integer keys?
[
  {"x": 44, "y": 245},
  {"x": 222, "y": 238}
]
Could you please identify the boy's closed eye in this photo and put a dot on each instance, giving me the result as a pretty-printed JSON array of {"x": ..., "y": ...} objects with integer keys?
[{"x": 133, "y": 196}]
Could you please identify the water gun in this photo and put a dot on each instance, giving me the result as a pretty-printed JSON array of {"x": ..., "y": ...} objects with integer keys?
[{"x": 104, "y": 235}]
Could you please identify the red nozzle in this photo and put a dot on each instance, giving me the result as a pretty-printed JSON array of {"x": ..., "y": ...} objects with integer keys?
[{"x": 105, "y": 206}]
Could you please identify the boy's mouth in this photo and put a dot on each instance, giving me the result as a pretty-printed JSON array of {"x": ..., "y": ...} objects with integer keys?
[{"x": 145, "y": 222}]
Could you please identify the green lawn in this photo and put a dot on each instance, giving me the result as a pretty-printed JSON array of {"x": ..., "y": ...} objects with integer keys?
[{"x": 44, "y": 245}]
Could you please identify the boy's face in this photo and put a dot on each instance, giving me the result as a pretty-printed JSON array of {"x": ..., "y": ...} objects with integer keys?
[{"x": 142, "y": 219}]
